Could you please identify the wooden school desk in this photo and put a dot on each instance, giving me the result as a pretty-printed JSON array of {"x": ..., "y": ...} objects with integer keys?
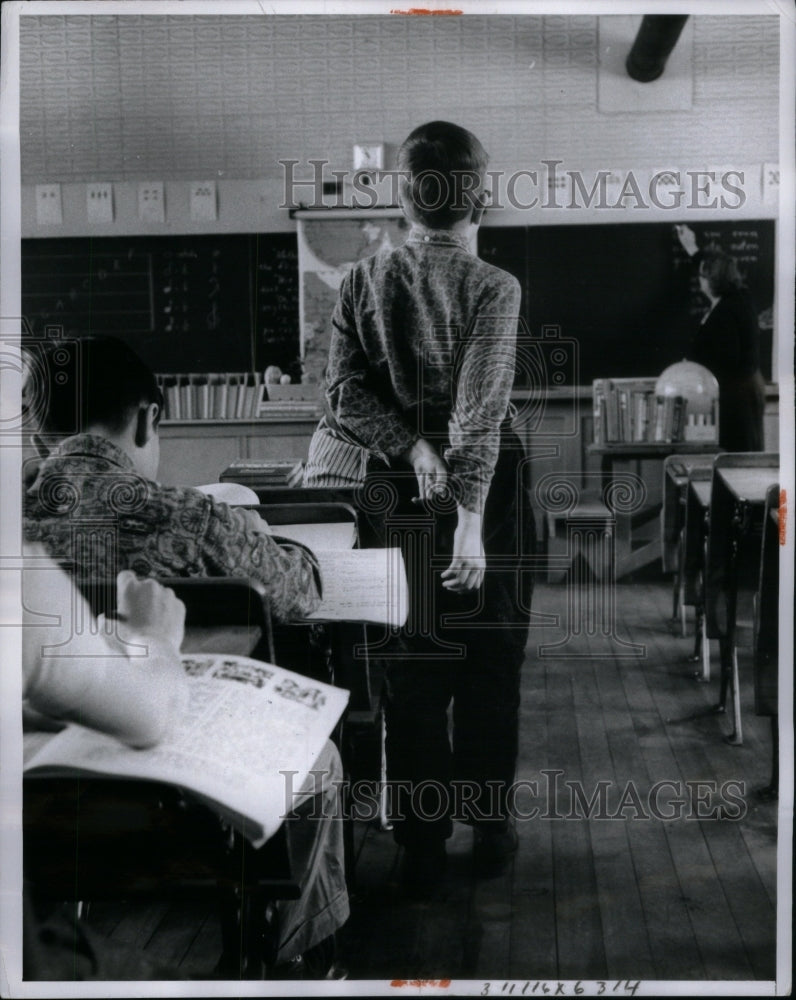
[
  {"x": 628, "y": 558},
  {"x": 738, "y": 496},
  {"x": 695, "y": 536},
  {"x": 766, "y": 644},
  {"x": 677, "y": 471}
]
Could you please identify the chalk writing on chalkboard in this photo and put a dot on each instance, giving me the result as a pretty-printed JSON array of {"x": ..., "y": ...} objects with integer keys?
[
  {"x": 106, "y": 291},
  {"x": 628, "y": 295},
  {"x": 275, "y": 307},
  {"x": 184, "y": 303},
  {"x": 188, "y": 290}
]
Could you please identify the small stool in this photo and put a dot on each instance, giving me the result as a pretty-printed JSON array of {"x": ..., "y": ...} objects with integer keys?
[{"x": 583, "y": 531}]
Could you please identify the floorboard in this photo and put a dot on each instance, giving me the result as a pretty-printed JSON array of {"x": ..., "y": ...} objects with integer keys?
[
  {"x": 534, "y": 953},
  {"x": 586, "y": 898}
]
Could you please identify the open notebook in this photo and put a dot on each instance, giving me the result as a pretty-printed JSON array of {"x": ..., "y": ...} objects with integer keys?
[{"x": 367, "y": 585}]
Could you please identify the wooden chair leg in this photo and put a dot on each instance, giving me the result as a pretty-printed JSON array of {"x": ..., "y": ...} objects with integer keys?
[
  {"x": 249, "y": 936},
  {"x": 736, "y": 737},
  {"x": 704, "y": 648},
  {"x": 771, "y": 791},
  {"x": 700, "y": 618},
  {"x": 384, "y": 819},
  {"x": 725, "y": 655}
]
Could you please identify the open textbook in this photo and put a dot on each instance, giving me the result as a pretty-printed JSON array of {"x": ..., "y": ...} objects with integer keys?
[{"x": 246, "y": 722}]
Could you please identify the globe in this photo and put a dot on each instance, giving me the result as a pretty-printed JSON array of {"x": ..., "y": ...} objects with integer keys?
[{"x": 693, "y": 382}]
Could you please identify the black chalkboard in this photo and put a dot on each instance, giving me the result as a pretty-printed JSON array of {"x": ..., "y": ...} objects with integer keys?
[
  {"x": 275, "y": 298},
  {"x": 626, "y": 295},
  {"x": 184, "y": 303}
]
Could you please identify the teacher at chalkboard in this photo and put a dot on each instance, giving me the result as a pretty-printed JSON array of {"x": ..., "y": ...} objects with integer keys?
[{"x": 727, "y": 343}]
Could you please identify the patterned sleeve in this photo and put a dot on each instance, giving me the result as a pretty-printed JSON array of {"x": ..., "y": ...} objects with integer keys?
[
  {"x": 483, "y": 390},
  {"x": 288, "y": 571},
  {"x": 361, "y": 406}
]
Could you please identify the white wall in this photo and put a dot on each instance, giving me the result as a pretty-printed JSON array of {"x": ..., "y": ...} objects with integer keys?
[{"x": 184, "y": 98}]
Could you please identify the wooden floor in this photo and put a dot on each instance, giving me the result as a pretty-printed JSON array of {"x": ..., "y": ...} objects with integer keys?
[{"x": 628, "y": 897}]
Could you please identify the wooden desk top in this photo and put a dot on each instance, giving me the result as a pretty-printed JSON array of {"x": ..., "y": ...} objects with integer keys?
[
  {"x": 750, "y": 484},
  {"x": 701, "y": 488}
]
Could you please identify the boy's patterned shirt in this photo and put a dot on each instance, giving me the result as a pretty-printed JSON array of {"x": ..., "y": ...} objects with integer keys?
[
  {"x": 96, "y": 515},
  {"x": 423, "y": 345}
]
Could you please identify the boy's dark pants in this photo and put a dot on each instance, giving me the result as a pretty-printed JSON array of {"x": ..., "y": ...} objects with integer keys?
[{"x": 474, "y": 660}]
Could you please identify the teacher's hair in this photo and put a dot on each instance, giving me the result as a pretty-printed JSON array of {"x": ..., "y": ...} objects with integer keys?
[
  {"x": 442, "y": 172},
  {"x": 721, "y": 272}
]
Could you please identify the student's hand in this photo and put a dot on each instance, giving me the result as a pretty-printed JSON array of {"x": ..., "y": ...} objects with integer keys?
[
  {"x": 687, "y": 239},
  {"x": 430, "y": 469},
  {"x": 149, "y": 612},
  {"x": 466, "y": 571}
]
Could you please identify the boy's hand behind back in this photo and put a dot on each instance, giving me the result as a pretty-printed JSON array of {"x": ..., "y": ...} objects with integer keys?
[
  {"x": 430, "y": 469},
  {"x": 466, "y": 571}
]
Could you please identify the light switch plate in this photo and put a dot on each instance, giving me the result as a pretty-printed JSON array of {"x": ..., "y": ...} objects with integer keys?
[
  {"x": 151, "y": 206},
  {"x": 49, "y": 211},
  {"x": 203, "y": 200},
  {"x": 99, "y": 202}
]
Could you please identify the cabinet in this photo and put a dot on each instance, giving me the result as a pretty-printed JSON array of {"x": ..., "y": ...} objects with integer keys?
[{"x": 196, "y": 452}]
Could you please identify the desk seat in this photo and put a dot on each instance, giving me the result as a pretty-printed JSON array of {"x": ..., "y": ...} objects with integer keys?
[{"x": 97, "y": 839}]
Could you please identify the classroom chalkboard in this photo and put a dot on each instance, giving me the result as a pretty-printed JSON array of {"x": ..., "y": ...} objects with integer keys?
[
  {"x": 626, "y": 295},
  {"x": 184, "y": 303}
]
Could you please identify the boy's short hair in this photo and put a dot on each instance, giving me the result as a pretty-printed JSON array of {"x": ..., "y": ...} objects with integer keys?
[
  {"x": 442, "y": 166},
  {"x": 103, "y": 381},
  {"x": 721, "y": 272}
]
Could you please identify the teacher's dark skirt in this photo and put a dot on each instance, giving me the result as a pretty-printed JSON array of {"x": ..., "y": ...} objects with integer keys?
[
  {"x": 467, "y": 649},
  {"x": 742, "y": 403}
]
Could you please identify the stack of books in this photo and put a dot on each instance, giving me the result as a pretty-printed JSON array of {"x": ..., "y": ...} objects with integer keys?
[
  {"x": 257, "y": 473},
  {"x": 629, "y": 411},
  {"x": 212, "y": 395}
]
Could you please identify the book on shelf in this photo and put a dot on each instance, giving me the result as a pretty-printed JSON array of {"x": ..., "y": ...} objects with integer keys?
[
  {"x": 246, "y": 722},
  {"x": 629, "y": 411},
  {"x": 212, "y": 395}
]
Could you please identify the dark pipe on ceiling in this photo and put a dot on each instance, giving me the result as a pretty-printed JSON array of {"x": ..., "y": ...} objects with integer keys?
[{"x": 654, "y": 43}]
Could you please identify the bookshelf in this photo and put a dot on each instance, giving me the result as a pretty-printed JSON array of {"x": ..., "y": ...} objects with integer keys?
[
  {"x": 207, "y": 396},
  {"x": 630, "y": 412}
]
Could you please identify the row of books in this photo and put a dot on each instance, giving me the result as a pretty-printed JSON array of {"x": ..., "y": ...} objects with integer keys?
[
  {"x": 212, "y": 396},
  {"x": 629, "y": 411}
]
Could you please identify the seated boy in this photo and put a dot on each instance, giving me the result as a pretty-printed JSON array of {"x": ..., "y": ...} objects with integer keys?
[
  {"x": 136, "y": 700},
  {"x": 95, "y": 503}
]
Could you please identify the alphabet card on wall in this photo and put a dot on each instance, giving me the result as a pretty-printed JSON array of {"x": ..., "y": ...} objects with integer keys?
[
  {"x": 151, "y": 202},
  {"x": 49, "y": 211},
  {"x": 99, "y": 202},
  {"x": 204, "y": 203}
]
